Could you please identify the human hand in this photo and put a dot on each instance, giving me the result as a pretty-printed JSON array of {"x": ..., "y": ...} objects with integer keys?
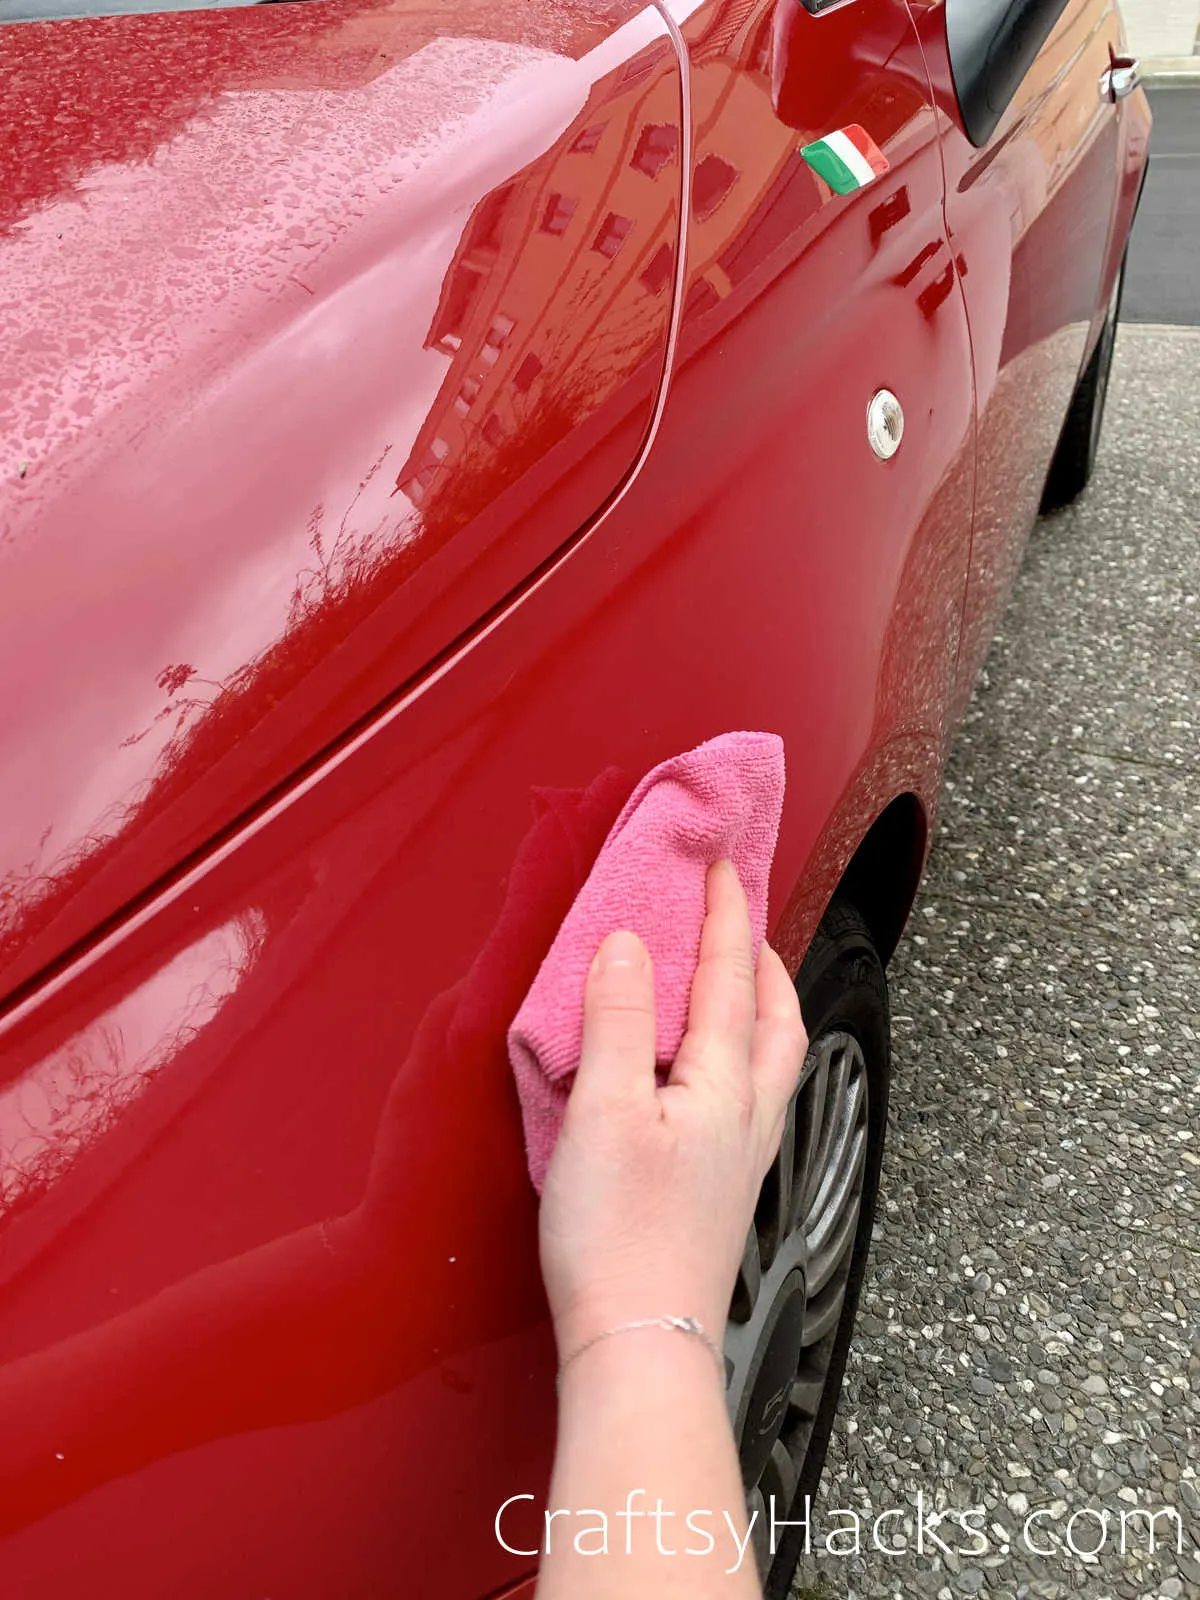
[{"x": 651, "y": 1189}]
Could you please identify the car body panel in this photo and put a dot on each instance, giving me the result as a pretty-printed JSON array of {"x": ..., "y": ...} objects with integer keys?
[
  {"x": 1031, "y": 218},
  {"x": 236, "y": 1065},
  {"x": 316, "y": 346},
  {"x": 272, "y": 1317},
  {"x": 319, "y": 1425},
  {"x": 811, "y": 302}
]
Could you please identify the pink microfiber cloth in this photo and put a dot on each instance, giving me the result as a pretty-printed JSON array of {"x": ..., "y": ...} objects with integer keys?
[{"x": 722, "y": 799}]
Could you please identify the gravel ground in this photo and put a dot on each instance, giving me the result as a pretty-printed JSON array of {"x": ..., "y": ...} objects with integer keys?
[{"x": 1030, "y": 1332}]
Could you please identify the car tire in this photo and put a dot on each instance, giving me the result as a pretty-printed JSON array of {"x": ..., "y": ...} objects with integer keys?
[
  {"x": 797, "y": 1293},
  {"x": 1079, "y": 443}
]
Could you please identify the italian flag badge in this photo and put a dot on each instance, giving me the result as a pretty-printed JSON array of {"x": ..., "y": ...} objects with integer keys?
[{"x": 848, "y": 159}]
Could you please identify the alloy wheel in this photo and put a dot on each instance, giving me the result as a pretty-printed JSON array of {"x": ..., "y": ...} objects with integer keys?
[{"x": 791, "y": 1285}]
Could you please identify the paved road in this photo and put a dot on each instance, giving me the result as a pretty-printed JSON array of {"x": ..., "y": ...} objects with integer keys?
[
  {"x": 1164, "y": 260},
  {"x": 1030, "y": 1335},
  {"x": 1161, "y": 27}
]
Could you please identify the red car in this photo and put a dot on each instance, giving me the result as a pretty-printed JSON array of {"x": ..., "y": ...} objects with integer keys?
[{"x": 419, "y": 420}]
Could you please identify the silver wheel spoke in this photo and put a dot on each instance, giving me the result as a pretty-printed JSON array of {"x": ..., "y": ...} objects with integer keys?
[
  {"x": 786, "y": 1476},
  {"x": 838, "y": 1154},
  {"x": 841, "y": 1196},
  {"x": 836, "y": 1247},
  {"x": 760, "y": 1527},
  {"x": 810, "y": 1119},
  {"x": 806, "y": 1393},
  {"x": 792, "y": 1280},
  {"x": 749, "y": 1279},
  {"x": 823, "y": 1317},
  {"x": 773, "y": 1217}
]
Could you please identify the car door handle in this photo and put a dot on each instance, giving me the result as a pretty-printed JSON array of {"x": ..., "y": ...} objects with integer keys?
[{"x": 1122, "y": 77}]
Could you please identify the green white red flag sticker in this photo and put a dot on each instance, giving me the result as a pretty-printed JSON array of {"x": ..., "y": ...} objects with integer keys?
[{"x": 848, "y": 159}]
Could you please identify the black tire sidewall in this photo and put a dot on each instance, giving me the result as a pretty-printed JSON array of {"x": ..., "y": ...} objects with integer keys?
[{"x": 1078, "y": 445}]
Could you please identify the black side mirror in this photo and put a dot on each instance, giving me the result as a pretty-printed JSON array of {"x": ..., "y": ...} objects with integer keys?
[{"x": 992, "y": 45}]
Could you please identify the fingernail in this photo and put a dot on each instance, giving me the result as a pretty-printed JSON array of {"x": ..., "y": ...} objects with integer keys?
[{"x": 620, "y": 949}]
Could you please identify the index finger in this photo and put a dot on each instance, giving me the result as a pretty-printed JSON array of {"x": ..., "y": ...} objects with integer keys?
[{"x": 722, "y": 1008}]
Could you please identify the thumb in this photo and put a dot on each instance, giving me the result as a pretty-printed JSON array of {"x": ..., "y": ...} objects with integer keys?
[{"x": 617, "y": 1059}]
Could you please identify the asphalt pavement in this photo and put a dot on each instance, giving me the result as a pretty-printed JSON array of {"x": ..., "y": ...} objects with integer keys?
[
  {"x": 1030, "y": 1332},
  {"x": 1163, "y": 281}
]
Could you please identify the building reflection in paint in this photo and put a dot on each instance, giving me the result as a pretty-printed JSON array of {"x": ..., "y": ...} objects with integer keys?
[{"x": 369, "y": 393}]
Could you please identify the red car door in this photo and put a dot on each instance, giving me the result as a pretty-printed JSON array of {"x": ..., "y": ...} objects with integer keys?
[
  {"x": 323, "y": 326},
  {"x": 271, "y": 1315},
  {"x": 1032, "y": 208},
  {"x": 801, "y": 305}
]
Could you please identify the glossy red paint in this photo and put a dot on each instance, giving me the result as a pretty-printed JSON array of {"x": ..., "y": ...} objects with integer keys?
[
  {"x": 321, "y": 337},
  {"x": 272, "y": 1321},
  {"x": 1038, "y": 220}
]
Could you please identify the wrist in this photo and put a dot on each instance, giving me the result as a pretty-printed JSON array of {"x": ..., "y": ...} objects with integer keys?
[
  {"x": 583, "y": 1315},
  {"x": 647, "y": 1366},
  {"x": 651, "y": 1339}
]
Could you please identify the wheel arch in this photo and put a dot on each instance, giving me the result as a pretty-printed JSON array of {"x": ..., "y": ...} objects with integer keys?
[
  {"x": 881, "y": 878},
  {"x": 870, "y": 851}
]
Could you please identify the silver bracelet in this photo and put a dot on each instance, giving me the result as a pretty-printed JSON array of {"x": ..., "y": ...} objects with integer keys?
[{"x": 688, "y": 1325}]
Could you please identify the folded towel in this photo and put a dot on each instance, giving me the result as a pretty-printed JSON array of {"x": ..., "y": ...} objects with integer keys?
[{"x": 722, "y": 799}]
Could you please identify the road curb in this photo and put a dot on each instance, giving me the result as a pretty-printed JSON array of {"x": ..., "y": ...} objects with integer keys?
[{"x": 1171, "y": 72}]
